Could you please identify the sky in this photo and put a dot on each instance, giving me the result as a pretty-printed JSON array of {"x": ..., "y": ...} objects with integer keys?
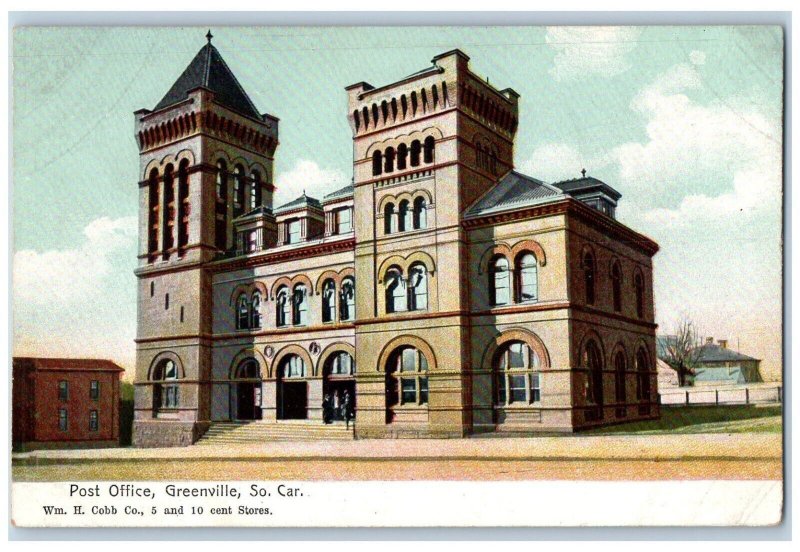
[{"x": 685, "y": 122}]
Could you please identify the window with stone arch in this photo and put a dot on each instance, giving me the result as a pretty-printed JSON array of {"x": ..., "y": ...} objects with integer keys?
[
  {"x": 642, "y": 375},
  {"x": 347, "y": 299},
  {"x": 428, "y": 149},
  {"x": 592, "y": 362},
  {"x": 389, "y": 219},
  {"x": 499, "y": 281},
  {"x": 417, "y": 287},
  {"x": 238, "y": 190},
  {"x": 404, "y": 216},
  {"x": 420, "y": 213},
  {"x": 616, "y": 286},
  {"x": 329, "y": 301},
  {"x": 293, "y": 367},
  {"x": 416, "y": 150},
  {"x": 153, "y": 222},
  {"x": 255, "y": 190},
  {"x": 248, "y": 369},
  {"x": 300, "y": 305},
  {"x": 587, "y": 263},
  {"x": 242, "y": 312},
  {"x": 620, "y": 369},
  {"x": 221, "y": 211},
  {"x": 282, "y": 307},
  {"x": 638, "y": 284},
  {"x": 340, "y": 364},
  {"x": 527, "y": 278},
  {"x": 395, "y": 290},
  {"x": 406, "y": 378},
  {"x": 402, "y": 156},
  {"x": 517, "y": 374},
  {"x": 255, "y": 311},
  {"x": 388, "y": 160},
  {"x": 377, "y": 163},
  {"x": 165, "y": 378}
]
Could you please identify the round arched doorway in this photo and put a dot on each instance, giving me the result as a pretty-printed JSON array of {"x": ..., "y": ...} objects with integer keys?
[
  {"x": 292, "y": 388},
  {"x": 246, "y": 391},
  {"x": 339, "y": 379}
]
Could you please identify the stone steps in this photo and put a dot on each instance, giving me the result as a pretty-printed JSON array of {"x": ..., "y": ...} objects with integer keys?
[{"x": 259, "y": 432}]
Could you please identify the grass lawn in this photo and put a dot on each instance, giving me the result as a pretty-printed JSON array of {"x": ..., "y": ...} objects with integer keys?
[{"x": 705, "y": 419}]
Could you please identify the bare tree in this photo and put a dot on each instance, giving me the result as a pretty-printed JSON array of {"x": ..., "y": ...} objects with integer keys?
[{"x": 682, "y": 349}]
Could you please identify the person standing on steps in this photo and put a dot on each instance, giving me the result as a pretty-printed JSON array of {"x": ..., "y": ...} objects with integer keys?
[
  {"x": 347, "y": 408},
  {"x": 327, "y": 409}
]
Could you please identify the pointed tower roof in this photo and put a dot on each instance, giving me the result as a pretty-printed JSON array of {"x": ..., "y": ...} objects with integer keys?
[{"x": 209, "y": 70}]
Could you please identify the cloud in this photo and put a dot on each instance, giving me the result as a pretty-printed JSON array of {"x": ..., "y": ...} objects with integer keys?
[
  {"x": 307, "y": 176},
  {"x": 582, "y": 51},
  {"x": 699, "y": 160},
  {"x": 554, "y": 162},
  {"x": 68, "y": 275}
]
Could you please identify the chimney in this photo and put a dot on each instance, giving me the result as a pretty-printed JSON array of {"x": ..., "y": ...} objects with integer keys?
[
  {"x": 709, "y": 340},
  {"x": 723, "y": 343}
]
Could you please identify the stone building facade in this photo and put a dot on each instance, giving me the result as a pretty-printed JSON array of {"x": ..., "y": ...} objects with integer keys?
[{"x": 445, "y": 292}]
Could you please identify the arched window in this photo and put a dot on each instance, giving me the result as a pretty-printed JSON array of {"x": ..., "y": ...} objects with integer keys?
[
  {"x": 592, "y": 360},
  {"x": 153, "y": 221},
  {"x": 389, "y": 219},
  {"x": 395, "y": 291},
  {"x": 527, "y": 278},
  {"x": 517, "y": 377},
  {"x": 293, "y": 366},
  {"x": 385, "y": 111},
  {"x": 388, "y": 163},
  {"x": 165, "y": 388},
  {"x": 480, "y": 156},
  {"x": 377, "y": 163},
  {"x": 220, "y": 223},
  {"x": 402, "y": 156},
  {"x": 238, "y": 190},
  {"x": 619, "y": 376},
  {"x": 282, "y": 307},
  {"x": 642, "y": 376},
  {"x": 242, "y": 313},
  {"x": 588, "y": 277},
  {"x": 417, "y": 287},
  {"x": 416, "y": 148},
  {"x": 248, "y": 369},
  {"x": 375, "y": 115},
  {"x": 616, "y": 286},
  {"x": 413, "y": 103},
  {"x": 429, "y": 146},
  {"x": 356, "y": 119},
  {"x": 404, "y": 216},
  {"x": 638, "y": 282},
  {"x": 255, "y": 311},
  {"x": 341, "y": 364},
  {"x": 365, "y": 112},
  {"x": 329, "y": 301},
  {"x": 169, "y": 210},
  {"x": 300, "y": 303},
  {"x": 420, "y": 213},
  {"x": 347, "y": 299},
  {"x": 183, "y": 203},
  {"x": 407, "y": 377},
  {"x": 404, "y": 105},
  {"x": 255, "y": 190},
  {"x": 499, "y": 281}
]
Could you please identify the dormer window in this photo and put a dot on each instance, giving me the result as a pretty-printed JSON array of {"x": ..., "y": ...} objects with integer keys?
[
  {"x": 294, "y": 231},
  {"x": 344, "y": 221}
]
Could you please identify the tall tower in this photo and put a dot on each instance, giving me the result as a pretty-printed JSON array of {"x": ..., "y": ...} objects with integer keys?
[
  {"x": 205, "y": 158},
  {"x": 425, "y": 148}
]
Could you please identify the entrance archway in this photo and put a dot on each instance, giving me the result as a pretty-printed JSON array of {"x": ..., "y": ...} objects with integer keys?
[
  {"x": 246, "y": 391},
  {"x": 339, "y": 378},
  {"x": 292, "y": 388}
]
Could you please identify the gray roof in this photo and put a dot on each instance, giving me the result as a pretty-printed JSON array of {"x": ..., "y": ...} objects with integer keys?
[
  {"x": 209, "y": 70},
  {"x": 712, "y": 352},
  {"x": 340, "y": 193},
  {"x": 302, "y": 201},
  {"x": 579, "y": 186},
  {"x": 258, "y": 211},
  {"x": 514, "y": 190}
]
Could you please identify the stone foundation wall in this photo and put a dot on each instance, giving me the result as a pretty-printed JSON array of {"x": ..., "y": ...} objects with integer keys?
[{"x": 159, "y": 433}]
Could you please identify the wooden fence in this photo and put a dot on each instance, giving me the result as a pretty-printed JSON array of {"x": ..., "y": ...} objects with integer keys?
[{"x": 700, "y": 396}]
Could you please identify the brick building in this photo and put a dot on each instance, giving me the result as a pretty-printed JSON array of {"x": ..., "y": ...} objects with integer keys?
[
  {"x": 447, "y": 292},
  {"x": 65, "y": 403}
]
